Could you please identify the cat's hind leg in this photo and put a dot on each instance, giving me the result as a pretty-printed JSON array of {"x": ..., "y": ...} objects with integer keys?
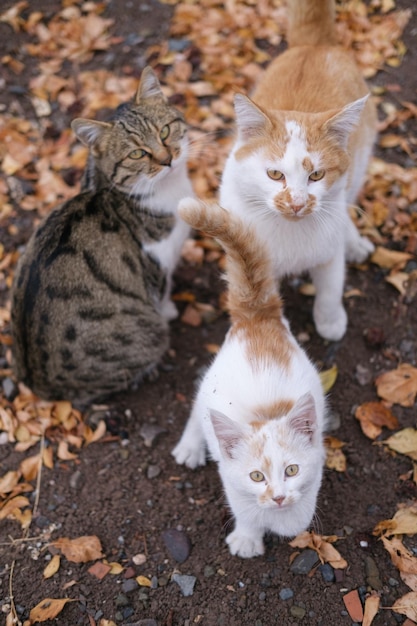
[
  {"x": 191, "y": 448},
  {"x": 358, "y": 248}
]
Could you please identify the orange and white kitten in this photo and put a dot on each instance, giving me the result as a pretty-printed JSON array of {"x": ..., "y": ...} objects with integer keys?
[
  {"x": 260, "y": 406},
  {"x": 302, "y": 149}
]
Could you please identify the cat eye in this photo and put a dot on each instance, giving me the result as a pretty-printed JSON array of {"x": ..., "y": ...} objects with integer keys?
[
  {"x": 318, "y": 175},
  {"x": 275, "y": 174},
  {"x": 138, "y": 154},
  {"x": 257, "y": 476},
  {"x": 291, "y": 470},
  {"x": 164, "y": 133}
]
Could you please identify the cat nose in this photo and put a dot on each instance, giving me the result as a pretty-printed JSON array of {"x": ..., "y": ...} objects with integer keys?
[
  {"x": 166, "y": 161},
  {"x": 296, "y": 207},
  {"x": 279, "y": 500}
]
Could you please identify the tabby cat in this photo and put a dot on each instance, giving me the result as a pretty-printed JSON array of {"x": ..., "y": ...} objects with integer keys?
[
  {"x": 91, "y": 295},
  {"x": 302, "y": 148},
  {"x": 260, "y": 406}
]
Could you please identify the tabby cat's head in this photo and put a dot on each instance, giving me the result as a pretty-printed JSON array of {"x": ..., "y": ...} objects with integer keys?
[
  {"x": 144, "y": 141},
  {"x": 288, "y": 161}
]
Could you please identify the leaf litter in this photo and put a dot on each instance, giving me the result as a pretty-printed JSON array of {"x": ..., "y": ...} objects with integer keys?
[{"x": 226, "y": 38}]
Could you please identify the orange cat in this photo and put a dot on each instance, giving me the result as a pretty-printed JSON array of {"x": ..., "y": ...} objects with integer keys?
[{"x": 302, "y": 148}]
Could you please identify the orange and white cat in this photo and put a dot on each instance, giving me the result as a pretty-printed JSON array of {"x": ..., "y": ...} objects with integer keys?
[
  {"x": 302, "y": 148},
  {"x": 260, "y": 406}
]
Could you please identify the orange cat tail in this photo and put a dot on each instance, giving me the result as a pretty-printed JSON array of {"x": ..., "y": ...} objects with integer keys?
[
  {"x": 311, "y": 23},
  {"x": 252, "y": 289}
]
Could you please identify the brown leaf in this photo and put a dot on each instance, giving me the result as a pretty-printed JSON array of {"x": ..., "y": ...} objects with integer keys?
[
  {"x": 48, "y": 609},
  {"x": 407, "y": 605},
  {"x": 371, "y": 608},
  {"x": 52, "y": 567},
  {"x": 404, "y": 522},
  {"x": 399, "y": 385},
  {"x": 390, "y": 258},
  {"x": 373, "y": 416},
  {"x": 322, "y": 545},
  {"x": 335, "y": 457},
  {"x": 404, "y": 442},
  {"x": 80, "y": 550}
]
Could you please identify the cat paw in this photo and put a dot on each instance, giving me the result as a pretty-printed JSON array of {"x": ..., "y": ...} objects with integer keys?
[
  {"x": 244, "y": 546},
  {"x": 191, "y": 456},
  {"x": 331, "y": 327},
  {"x": 359, "y": 251},
  {"x": 169, "y": 311}
]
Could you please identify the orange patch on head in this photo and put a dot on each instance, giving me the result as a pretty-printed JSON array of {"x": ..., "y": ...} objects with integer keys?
[
  {"x": 308, "y": 165},
  {"x": 267, "y": 495},
  {"x": 274, "y": 410}
]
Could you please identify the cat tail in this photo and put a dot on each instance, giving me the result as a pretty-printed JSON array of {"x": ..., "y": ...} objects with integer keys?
[
  {"x": 252, "y": 292},
  {"x": 311, "y": 23}
]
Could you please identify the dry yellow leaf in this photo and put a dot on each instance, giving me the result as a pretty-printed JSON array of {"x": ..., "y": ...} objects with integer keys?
[
  {"x": 143, "y": 581},
  {"x": 407, "y": 605},
  {"x": 48, "y": 609},
  {"x": 399, "y": 280},
  {"x": 30, "y": 467},
  {"x": 372, "y": 603},
  {"x": 389, "y": 258},
  {"x": 15, "y": 504},
  {"x": 404, "y": 442},
  {"x": 335, "y": 457},
  {"x": 322, "y": 545},
  {"x": 52, "y": 567},
  {"x": 398, "y": 386},
  {"x": 63, "y": 452},
  {"x": 9, "y": 481},
  {"x": 404, "y": 522},
  {"x": 80, "y": 550},
  {"x": 328, "y": 378}
]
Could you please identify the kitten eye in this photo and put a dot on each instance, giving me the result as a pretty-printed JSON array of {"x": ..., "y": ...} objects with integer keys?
[
  {"x": 275, "y": 174},
  {"x": 164, "y": 133},
  {"x": 318, "y": 175},
  {"x": 257, "y": 476},
  {"x": 138, "y": 154},
  {"x": 291, "y": 470}
]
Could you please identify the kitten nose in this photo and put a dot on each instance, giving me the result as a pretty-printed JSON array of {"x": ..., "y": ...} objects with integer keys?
[
  {"x": 279, "y": 500},
  {"x": 166, "y": 161},
  {"x": 297, "y": 207}
]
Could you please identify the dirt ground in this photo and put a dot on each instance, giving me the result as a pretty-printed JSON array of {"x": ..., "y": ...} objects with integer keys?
[{"x": 128, "y": 491}]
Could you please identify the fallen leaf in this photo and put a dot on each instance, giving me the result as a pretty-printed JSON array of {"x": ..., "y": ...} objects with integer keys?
[
  {"x": 404, "y": 442},
  {"x": 322, "y": 545},
  {"x": 389, "y": 258},
  {"x": 407, "y": 605},
  {"x": 80, "y": 550},
  {"x": 52, "y": 567},
  {"x": 373, "y": 416},
  {"x": 328, "y": 378},
  {"x": 404, "y": 522},
  {"x": 48, "y": 609},
  {"x": 372, "y": 603},
  {"x": 399, "y": 385},
  {"x": 143, "y": 581},
  {"x": 335, "y": 457}
]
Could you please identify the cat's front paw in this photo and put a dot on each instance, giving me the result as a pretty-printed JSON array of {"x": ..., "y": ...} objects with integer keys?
[
  {"x": 245, "y": 546},
  {"x": 359, "y": 251},
  {"x": 331, "y": 327},
  {"x": 191, "y": 456},
  {"x": 169, "y": 311}
]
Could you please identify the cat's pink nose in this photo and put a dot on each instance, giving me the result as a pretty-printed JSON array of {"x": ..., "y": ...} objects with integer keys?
[
  {"x": 297, "y": 207},
  {"x": 279, "y": 500}
]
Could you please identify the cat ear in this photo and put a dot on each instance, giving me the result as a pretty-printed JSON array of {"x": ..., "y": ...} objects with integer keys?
[
  {"x": 89, "y": 131},
  {"x": 302, "y": 417},
  {"x": 250, "y": 120},
  {"x": 149, "y": 86},
  {"x": 345, "y": 121},
  {"x": 229, "y": 433}
]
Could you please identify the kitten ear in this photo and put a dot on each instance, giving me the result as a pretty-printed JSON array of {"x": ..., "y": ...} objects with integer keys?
[
  {"x": 302, "y": 417},
  {"x": 229, "y": 434},
  {"x": 250, "y": 120},
  {"x": 89, "y": 131},
  {"x": 149, "y": 86},
  {"x": 345, "y": 121}
]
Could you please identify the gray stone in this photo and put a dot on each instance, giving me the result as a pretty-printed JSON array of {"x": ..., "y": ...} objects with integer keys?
[
  {"x": 286, "y": 593},
  {"x": 153, "y": 471},
  {"x": 185, "y": 583},
  {"x": 209, "y": 571},
  {"x": 150, "y": 432},
  {"x": 297, "y": 611},
  {"x": 9, "y": 388},
  {"x": 327, "y": 573},
  {"x": 372, "y": 574},
  {"x": 177, "y": 543},
  {"x": 121, "y": 600},
  {"x": 129, "y": 585},
  {"x": 304, "y": 562}
]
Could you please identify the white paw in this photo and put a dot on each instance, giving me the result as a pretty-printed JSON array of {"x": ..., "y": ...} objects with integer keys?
[
  {"x": 331, "y": 327},
  {"x": 168, "y": 310},
  {"x": 359, "y": 251},
  {"x": 244, "y": 546},
  {"x": 190, "y": 455}
]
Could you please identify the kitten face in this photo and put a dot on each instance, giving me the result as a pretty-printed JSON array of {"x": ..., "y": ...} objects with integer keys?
[{"x": 288, "y": 161}]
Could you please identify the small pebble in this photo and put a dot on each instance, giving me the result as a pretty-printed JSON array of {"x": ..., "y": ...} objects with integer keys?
[
  {"x": 393, "y": 582},
  {"x": 327, "y": 572},
  {"x": 372, "y": 574},
  {"x": 262, "y": 596},
  {"x": 9, "y": 388},
  {"x": 121, "y": 600},
  {"x": 297, "y": 611},
  {"x": 286, "y": 593},
  {"x": 153, "y": 471},
  {"x": 209, "y": 571},
  {"x": 177, "y": 543},
  {"x": 129, "y": 585},
  {"x": 185, "y": 583},
  {"x": 150, "y": 432}
]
